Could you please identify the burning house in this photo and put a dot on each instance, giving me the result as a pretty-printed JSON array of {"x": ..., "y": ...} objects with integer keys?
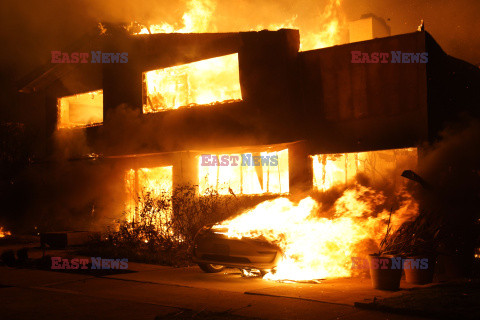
[{"x": 182, "y": 98}]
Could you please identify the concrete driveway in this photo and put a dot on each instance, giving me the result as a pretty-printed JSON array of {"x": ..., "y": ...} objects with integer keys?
[{"x": 152, "y": 291}]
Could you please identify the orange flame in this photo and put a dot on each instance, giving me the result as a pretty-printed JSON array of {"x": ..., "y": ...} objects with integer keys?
[
  {"x": 217, "y": 80},
  {"x": 240, "y": 179},
  {"x": 326, "y": 33},
  {"x": 4, "y": 233},
  {"x": 80, "y": 110},
  {"x": 199, "y": 83},
  {"x": 316, "y": 247},
  {"x": 152, "y": 181},
  {"x": 197, "y": 18}
]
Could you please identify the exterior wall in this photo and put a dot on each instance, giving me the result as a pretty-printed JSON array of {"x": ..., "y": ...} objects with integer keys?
[
  {"x": 364, "y": 106},
  {"x": 267, "y": 62},
  {"x": 318, "y": 96}
]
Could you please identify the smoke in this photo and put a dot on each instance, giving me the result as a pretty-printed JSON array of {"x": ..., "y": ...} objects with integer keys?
[
  {"x": 452, "y": 167},
  {"x": 31, "y": 29},
  {"x": 65, "y": 195}
]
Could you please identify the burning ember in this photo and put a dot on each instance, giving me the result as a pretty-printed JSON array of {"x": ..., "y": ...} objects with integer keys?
[
  {"x": 319, "y": 244},
  {"x": 4, "y": 233}
]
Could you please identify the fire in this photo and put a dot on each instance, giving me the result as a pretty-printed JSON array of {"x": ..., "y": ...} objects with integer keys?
[
  {"x": 80, "y": 110},
  {"x": 319, "y": 242},
  {"x": 327, "y": 31},
  {"x": 246, "y": 179},
  {"x": 197, "y": 18},
  {"x": 217, "y": 80},
  {"x": 4, "y": 233},
  {"x": 331, "y": 23},
  {"x": 198, "y": 83},
  {"x": 153, "y": 182},
  {"x": 314, "y": 246},
  {"x": 380, "y": 166}
]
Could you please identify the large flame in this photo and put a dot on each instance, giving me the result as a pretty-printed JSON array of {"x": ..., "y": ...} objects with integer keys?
[
  {"x": 319, "y": 242},
  {"x": 217, "y": 80},
  {"x": 198, "y": 83},
  {"x": 197, "y": 18},
  {"x": 316, "y": 246},
  {"x": 327, "y": 31}
]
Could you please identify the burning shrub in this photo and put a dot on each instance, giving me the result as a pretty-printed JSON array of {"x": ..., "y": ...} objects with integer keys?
[{"x": 164, "y": 225}]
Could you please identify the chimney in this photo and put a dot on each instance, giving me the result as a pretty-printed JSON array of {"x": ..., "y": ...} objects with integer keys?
[{"x": 368, "y": 27}]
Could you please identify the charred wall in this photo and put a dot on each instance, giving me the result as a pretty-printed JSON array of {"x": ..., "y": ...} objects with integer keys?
[
  {"x": 318, "y": 95},
  {"x": 266, "y": 114},
  {"x": 364, "y": 106}
]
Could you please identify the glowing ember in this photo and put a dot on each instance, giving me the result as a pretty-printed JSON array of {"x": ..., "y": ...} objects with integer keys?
[
  {"x": 4, "y": 233},
  {"x": 314, "y": 246}
]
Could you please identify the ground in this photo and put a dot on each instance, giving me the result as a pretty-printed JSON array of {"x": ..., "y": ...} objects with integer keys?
[
  {"x": 165, "y": 292},
  {"x": 159, "y": 292}
]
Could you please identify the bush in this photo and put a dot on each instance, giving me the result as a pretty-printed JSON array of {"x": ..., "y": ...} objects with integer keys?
[{"x": 164, "y": 226}]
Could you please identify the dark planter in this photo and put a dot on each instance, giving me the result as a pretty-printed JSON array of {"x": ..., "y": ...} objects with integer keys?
[
  {"x": 384, "y": 275},
  {"x": 419, "y": 269}
]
